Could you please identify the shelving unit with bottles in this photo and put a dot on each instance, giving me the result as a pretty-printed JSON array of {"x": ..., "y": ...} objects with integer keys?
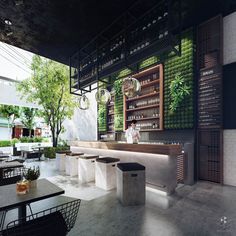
[
  {"x": 110, "y": 115},
  {"x": 147, "y": 107},
  {"x": 153, "y": 33}
]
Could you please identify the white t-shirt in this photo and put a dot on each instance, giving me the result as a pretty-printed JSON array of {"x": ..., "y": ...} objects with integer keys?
[{"x": 132, "y": 135}]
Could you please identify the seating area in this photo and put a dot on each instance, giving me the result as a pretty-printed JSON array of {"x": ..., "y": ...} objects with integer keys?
[{"x": 117, "y": 118}]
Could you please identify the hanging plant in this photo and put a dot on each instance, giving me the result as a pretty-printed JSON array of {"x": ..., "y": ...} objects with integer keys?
[
  {"x": 179, "y": 90},
  {"x": 118, "y": 122},
  {"x": 118, "y": 87}
]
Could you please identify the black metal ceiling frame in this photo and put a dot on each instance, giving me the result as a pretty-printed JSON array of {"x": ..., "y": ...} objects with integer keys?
[{"x": 175, "y": 44}]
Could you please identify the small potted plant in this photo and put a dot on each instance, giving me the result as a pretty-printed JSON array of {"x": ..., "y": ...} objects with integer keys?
[{"x": 32, "y": 174}]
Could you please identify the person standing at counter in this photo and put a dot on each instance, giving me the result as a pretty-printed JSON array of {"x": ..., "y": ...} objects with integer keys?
[{"x": 132, "y": 134}]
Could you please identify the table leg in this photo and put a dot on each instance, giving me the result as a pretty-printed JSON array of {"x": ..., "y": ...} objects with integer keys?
[{"x": 22, "y": 213}]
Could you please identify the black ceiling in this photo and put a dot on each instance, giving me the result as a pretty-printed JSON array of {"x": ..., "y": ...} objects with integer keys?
[{"x": 57, "y": 28}]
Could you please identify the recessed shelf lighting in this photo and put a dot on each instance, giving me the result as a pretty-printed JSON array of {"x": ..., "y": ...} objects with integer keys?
[
  {"x": 8, "y": 22},
  {"x": 19, "y": 2},
  {"x": 9, "y": 33}
]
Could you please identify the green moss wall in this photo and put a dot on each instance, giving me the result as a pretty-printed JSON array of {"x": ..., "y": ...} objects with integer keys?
[
  {"x": 183, "y": 117},
  {"x": 102, "y": 114}
]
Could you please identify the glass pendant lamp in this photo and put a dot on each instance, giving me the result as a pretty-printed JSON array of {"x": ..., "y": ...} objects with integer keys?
[
  {"x": 131, "y": 87},
  {"x": 83, "y": 103},
  {"x": 103, "y": 96}
]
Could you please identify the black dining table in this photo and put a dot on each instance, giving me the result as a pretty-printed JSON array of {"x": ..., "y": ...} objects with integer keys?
[{"x": 9, "y": 199}]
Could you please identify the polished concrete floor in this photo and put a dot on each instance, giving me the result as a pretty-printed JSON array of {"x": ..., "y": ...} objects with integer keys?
[{"x": 201, "y": 209}]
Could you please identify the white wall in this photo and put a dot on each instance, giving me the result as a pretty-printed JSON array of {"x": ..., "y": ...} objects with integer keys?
[
  {"x": 4, "y": 133},
  {"x": 229, "y": 155},
  {"x": 229, "y": 136},
  {"x": 9, "y": 96},
  {"x": 229, "y": 39},
  {"x": 83, "y": 125}
]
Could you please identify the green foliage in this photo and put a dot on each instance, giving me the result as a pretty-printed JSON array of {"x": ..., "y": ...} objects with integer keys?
[
  {"x": 27, "y": 116},
  {"x": 32, "y": 173},
  {"x": 14, "y": 141},
  {"x": 35, "y": 139},
  {"x": 124, "y": 73},
  {"x": 49, "y": 87},
  {"x": 180, "y": 115},
  {"x": 179, "y": 90},
  {"x": 150, "y": 61},
  {"x": 102, "y": 118},
  {"x": 50, "y": 152},
  {"x": 38, "y": 139},
  {"x": 118, "y": 106},
  {"x": 5, "y": 143},
  {"x": 10, "y": 112},
  {"x": 62, "y": 143}
]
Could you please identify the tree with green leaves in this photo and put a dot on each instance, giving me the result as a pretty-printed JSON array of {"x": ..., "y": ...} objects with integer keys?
[
  {"x": 27, "y": 116},
  {"x": 49, "y": 87},
  {"x": 11, "y": 113}
]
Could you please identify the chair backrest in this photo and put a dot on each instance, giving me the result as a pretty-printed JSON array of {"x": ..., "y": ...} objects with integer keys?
[
  {"x": 56, "y": 221},
  {"x": 12, "y": 175}
]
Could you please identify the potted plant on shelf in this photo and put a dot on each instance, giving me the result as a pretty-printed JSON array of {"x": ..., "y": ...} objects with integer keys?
[{"x": 32, "y": 174}]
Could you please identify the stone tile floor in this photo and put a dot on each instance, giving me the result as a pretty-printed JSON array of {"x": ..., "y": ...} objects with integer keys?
[{"x": 198, "y": 210}]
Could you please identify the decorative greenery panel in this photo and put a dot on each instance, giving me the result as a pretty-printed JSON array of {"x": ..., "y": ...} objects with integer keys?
[
  {"x": 118, "y": 106},
  {"x": 182, "y": 116},
  {"x": 148, "y": 62},
  {"x": 102, "y": 113}
]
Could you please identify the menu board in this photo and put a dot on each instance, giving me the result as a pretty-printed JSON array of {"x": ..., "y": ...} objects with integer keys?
[{"x": 210, "y": 98}]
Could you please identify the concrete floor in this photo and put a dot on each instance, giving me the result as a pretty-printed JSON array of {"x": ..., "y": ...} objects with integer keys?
[{"x": 201, "y": 209}]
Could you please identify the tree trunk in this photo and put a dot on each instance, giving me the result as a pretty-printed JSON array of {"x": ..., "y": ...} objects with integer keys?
[
  {"x": 54, "y": 140},
  {"x": 30, "y": 133}
]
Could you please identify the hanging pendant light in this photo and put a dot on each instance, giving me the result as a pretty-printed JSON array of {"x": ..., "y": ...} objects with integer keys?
[
  {"x": 131, "y": 87},
  {"x": 83, "y": 103},
  {"x": 103, "y": 96}
]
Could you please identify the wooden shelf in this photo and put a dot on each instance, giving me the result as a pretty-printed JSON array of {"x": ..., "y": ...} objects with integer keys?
[
  {"x": 158, "y": 84},
  {"x": 143, "y": 96},
  {"x": 143, "y": 108},
  {"x": 146, "y": 118},
  {"x": 156, "y": 81},
  {"x": 147, "y": 130}
]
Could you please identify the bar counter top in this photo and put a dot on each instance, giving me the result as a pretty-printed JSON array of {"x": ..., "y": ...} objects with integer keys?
[{"x": 165, "y": 149}]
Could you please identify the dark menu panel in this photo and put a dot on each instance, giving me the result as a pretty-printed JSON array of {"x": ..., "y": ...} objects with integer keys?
[
  {"x": 210, "y": 98},
  {"x": 209, "y": 45}
]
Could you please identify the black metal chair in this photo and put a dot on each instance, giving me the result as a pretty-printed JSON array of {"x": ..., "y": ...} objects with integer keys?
[
  {"x": 11, "y": 176},
  {"x": 55, "y": 221}
]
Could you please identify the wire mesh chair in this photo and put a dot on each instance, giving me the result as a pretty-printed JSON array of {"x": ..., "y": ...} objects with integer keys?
[
  {"x": 55, "y": 221},
  {"x": 11, "y": 175}
]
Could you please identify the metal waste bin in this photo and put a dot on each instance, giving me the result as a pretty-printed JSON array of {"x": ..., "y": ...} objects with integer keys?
[{"x": 131, "y": 183}]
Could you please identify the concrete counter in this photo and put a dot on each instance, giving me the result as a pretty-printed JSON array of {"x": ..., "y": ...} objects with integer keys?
[{"x": 160, "y": 168}]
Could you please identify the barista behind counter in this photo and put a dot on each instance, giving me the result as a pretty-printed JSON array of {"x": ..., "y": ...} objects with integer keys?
[{"x": 132, "y": 133}]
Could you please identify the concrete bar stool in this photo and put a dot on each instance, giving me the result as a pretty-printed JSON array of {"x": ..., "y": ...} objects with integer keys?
[
  {"x": 86, "y": 168},
  {"x": 131, "y": 183},
  {"x": 72, "y": 163},
  {"x": 105, "y": 172},
  {"x": 60, "y": 159}
]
